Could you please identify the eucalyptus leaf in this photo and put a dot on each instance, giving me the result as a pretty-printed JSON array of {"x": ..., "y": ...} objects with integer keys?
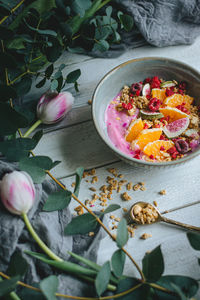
[
  {"x": 179, "y": 291},
  {"x": 57, "y": 201},
  {"x": 16, "y": 149},
  {"x": 103, "y": 278},
  {"x": 111, "y": 208},
  {"x": 41, "y": 83},
  {"x": 101, "y": 45},
  {"x": 41, "y": 31},
  {"x": 37, "y": 136},
  {"x": 127, "y": 22},
  {"x": 54, "y": 52},
  {"x": 118, "y": 261},
  {"x": 7, "y": 92},
  {"x": 49, "y": 287},
  {"x": 73, "y": 76},
  {"x": 10, "y": 120},
  {"x": 5, "y": 33},
  {"x": 23, "y": 86},
  {"x": 17, "y": 265},
  {"x": 194, "y": 239},
  {"x": 54, "y": 85},
  {"x": 122, "y": 233},
  {"x": 8, "y": 285},
  {"x": 153, "y": 265},
  {"x": 79, "y": 175},
  {"x": 128, "y": 283},
  {"x": 81, "y": 225},
  {"x": 188, "y": 285},
  {"x": 49, "y": 71},
  {"x": 31, "y": 294}
]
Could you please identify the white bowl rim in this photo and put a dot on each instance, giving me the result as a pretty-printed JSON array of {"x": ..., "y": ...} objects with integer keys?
[{"x": 113, "y": 148}]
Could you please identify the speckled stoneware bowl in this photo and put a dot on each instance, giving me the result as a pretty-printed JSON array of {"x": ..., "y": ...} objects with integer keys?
[{"x": 134, "y": 71}]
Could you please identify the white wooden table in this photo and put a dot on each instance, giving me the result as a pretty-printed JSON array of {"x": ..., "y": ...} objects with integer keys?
[{"x": 75, "y": 142}]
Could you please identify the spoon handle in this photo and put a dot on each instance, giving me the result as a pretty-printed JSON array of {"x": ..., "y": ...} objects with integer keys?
[{"x": 170, "y": 221}]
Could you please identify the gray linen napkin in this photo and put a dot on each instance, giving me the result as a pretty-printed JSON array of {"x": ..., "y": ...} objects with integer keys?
[{"x": 49, "y": 226}]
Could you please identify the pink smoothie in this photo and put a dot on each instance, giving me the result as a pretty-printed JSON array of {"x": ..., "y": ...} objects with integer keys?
[{"x": 117, "y": 123}]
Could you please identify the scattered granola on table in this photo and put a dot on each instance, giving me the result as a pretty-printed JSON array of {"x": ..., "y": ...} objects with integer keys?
[{"x": 154, "y": 120}]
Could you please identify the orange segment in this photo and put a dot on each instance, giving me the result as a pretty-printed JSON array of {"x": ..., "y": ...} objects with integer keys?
[
  {"x": 134, "y": 129},
  {"x": 148, "y": 135},
  {"x": 154, "y": 148},
  {"x": 178, "y": 99},
  {"x": 158, "y": 93},
  {"x": 173, "y": 113}
]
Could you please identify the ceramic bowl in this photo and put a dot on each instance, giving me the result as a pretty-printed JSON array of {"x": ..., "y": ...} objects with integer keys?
[{"x": 134, "y": 71}]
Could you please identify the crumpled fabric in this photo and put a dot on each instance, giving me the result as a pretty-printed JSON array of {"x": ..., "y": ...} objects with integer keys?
[
  {"x": 50, "y": 227},
  {"x": 160, "y": 23}
]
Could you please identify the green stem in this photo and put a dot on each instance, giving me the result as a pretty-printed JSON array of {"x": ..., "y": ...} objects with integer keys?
[
  {"x": 33, "y": 127},
  {"x": 38, "y": 240},
  {"x": 12, "y": 10},
  {"x": 110, "y": 287}
]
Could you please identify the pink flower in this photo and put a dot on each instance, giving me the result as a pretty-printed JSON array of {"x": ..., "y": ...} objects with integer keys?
[
  {"x": 53, "y": 107},
  {"x": 17, "y": 192}
]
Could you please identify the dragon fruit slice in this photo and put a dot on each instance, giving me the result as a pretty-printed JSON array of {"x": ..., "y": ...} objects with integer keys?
[{"x": 176, "y": 128}]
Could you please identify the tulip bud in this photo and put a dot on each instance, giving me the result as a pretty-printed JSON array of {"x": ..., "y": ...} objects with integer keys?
[
  {"x": 17, "y": 192},
  {"x": 53, "y": 107}
]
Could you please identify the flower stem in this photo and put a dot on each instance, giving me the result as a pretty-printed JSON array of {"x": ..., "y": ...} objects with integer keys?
[
  {"x": 33, "y": 127},
  {"x": 38, "y": 240}
]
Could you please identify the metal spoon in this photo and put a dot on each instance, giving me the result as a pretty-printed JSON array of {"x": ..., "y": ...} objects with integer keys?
[{"x": 144, "y": 213}]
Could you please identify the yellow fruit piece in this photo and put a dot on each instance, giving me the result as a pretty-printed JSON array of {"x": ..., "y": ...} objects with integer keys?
[
  {"x": 148, "y": 135},
  {"x": 173, "y": 113},
  {"x": 154, "y": 148},
  {"x": 134, "y": 129},
  {"x": 158, "y": 93},
  {"x": 178, "y": 99}
]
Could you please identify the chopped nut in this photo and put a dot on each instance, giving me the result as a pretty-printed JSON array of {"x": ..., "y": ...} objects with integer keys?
[
  {"x": 102, "y": 210},
  {"x": 120, "y": 176},
  {"x": 79, "y": 210},
  {"x": 145, "y": 236},
  {"x": 126, "y": 197},
  {"x": 103, "y": 188},
  {"x": 163, "y": 192},
  {"x": 136, "y": 187},
  {"x": 94, "y": 179},
  {"x": 91, "y": 233},
  {"x": 73, "y": 184},
  {"x": 112, "y": 217},
  {"x": 92, "y": 189},
  {"x": 117, "y": 219},
  {"x": 125, "y": 209},
  {"x": 113, "y": 170},
  {"x": 90, "y": 102},
  {"x": 155, "y": 203},
  {"x": 145, "y": 214},
  {"x": 129, "y": 186}
]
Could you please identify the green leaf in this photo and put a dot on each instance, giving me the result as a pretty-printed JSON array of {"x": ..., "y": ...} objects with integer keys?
[
  {"x": 103, "y": 278},
  {"x": 122, "y": 233},
  {"x": 194, "y": 239},
  {"x": 80, "y": 6},
  {"x": 41, "y": 83},
  {"x": 118, "y": 260},
  {"x": 109, "y": 11},
  {"x": 101, "y": 46},
  {"x": 73, "y": 76},
  {"x": 55, "y": 163},
  {"x": 5, "y": 33},
  {"x": 16, "y": 149},
  {"x": 110, "y": 208},
  {"x": 127, "y": 22},
  {"x": 23, "y": 86},
  {"x": 179, "y": 291},
  {"x": 37, "y": 136},
  {"x": 79, "y": 175},
  {"x": 41, "y": 31},
  {"x": 54, "y": 52},
  {"x": 49, "y": 71},
  {"x": 30, "y": 294},
  {"x": 7, "y": 92},
  {"x": 49, "y": 287},
  {"x": 125, "y": 284},
  {"x": 54, "y": 85},
  {"x": 67, "y": 266},
  {"x": 153, "y": 265},
  {"x": 81, "y": 225},
  {"x": 7, "y": 61},
  {"x": 57, "y": 201},
  {"x": 78, "y": 50},
  {"x": 10, "y": 119},
  {"x": 188, "y": 285},
  {"x": 8, "y": 285},
  {"x": 17, "y": 265}
]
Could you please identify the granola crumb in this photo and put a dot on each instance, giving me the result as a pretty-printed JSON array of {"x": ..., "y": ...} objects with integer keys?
[
  {"x": 121, "y": 176},
  {"x": 126, "y": 196},
  {"x": 91, "y": 233},
  {"x": 117, "y": 219},
  {"x": 87, "y": 201},
  {"x": 136, "y": 187},
  {"x": 90, "y": 102},
  {"x": 102, "y": 210},
  {"x": 129, "y": 186},
  {"x": 79, "y": 210},
  {"x": 125, "y": 209},
  {"x": 155, "y": 203},
  {"x": 92, "y": 189},
  {"x": 112, "y": 217},
  {"x": 145, "y": 236},
  {"x": 163, "y": 192},
  {"x": 94, "y": 179},
  {"x": 73, "y": 184},
  {"x": 113, "y": 171}
]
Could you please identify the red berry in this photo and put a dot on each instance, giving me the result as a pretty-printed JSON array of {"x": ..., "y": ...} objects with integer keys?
[
  {"x": 154, "y": 104},
  {"x": 124, "y": 105},
  {"x": 157, "y": 126},
  {"x": 147, "y": 80},
  {"x": 162, "y": 148},
  {"x": 138, "y": 151},
  {"x": 148, "y": 97},
  {"x": 137, "y": 156},
  {"x": 155, "y": 83},
  {"x": 151, "y": 156},
  {"x": 182, "y": 85},
  {"x": 174, "y": 155},
  {"x": 137, "y": 93},
  {"x": 131, "y": 95},
  {"x": 172, "y": 150},
  {"x": 146, "y": 126},
  {"x": 169, "y": 92},
  {"x": 162, "y": 137}
]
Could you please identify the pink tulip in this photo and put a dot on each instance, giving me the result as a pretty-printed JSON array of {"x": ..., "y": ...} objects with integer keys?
[
  {"x": 17, "y": 192},
  {"x": 53, "y": 107}
]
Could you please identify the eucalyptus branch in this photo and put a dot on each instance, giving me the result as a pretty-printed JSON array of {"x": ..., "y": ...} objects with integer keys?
[
  {"x": 12, "y": 11},
  {"x": 6, "y": 70}
]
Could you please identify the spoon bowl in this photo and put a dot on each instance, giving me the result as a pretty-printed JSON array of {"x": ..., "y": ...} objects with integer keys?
[{"x": 144, "y": 213}]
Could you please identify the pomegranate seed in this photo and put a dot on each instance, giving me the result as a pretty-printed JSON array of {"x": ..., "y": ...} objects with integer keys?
[
  {"x": 129, "y": 106},
  {"x": 131, "y": 95},
  {"x": 162, "y": 148},
  {"x": 172, "y": 150},
  {"x": 169, "y": 92},
  {"x": 138, "y": 151},
  {"x": 147, "y": 80},
  {"x": 137, "y": 156},
  {"x": 137, "y": 93},
  {"x": 146, "y": 126},
  {"x": 157, "y": 126},
  {"x": 174, "y": 155},
  {"x": 151, "y": 156}
]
